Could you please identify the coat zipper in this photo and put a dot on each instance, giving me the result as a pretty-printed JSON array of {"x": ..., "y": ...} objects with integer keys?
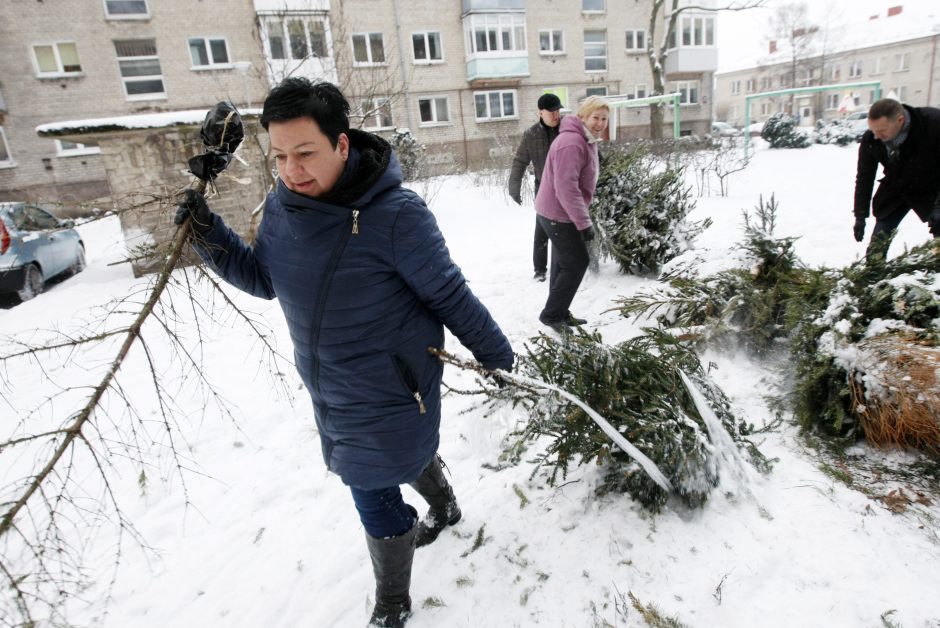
[{"x": 355, "y": 227}]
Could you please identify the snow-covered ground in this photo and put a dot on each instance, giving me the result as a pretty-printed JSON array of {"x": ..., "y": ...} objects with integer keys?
[{"x": 262, "y": 535}]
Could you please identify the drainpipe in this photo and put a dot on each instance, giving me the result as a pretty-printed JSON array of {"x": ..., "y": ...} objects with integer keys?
[
  {"x": 933, "y": 60},
  {"x": 401, "y": 65}
]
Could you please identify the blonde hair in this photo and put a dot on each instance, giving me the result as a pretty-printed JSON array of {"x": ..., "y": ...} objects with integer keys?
[{"x": 592, "y": 104}]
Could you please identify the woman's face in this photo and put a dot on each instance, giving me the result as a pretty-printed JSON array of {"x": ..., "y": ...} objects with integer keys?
[
  {"x": 596, "y": 122},
  {"x": 306, "y": 161}
]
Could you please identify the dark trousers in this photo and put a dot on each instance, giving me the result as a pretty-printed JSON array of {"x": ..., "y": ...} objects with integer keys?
[
  {"x": 540, "y": 249},
  {"x": 890, "y": 208},
  {"x": 569, "y": 262},
  {"x": 382, "y": 511}
]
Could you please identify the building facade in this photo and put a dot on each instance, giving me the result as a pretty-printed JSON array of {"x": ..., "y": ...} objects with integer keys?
[
  {"x": 906, "y": 67},
  {"x": 462, "y": 76}
]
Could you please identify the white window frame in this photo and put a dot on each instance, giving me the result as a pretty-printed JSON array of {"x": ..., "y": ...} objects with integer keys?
[
  {"x": 640, "y": 90},
  {"x": 9, "y": 162},
  {"x": 487, "y": 94},
  {"x": 694, "y": 30},
  {"x": 901, "y": 92},
  {"x": 766, "y": 82},
  {"x": 765, "y": 108},
  {"x": 595, "y": 44},
  {"x": 144, "y": 15},
  {"x": 132, "y": 79},
  {"x": 76, "y": 149},
  {"x": 281, "y": 23},
  {"x": 685, "y": 88},
  {"x": 902, "y": 62},
  {"x": 368, "y": 41},
  {"x": 427, "y": 35},
  {"x": 434, "y": 100},
  {"x": 634, "y": 35},
  {"x": 207, "y": 43},
  {"x": 555, "y": 36},
  {"x": 376, "y": 105},
  {"x": 603, "y": 8},
  {"x": 855, "y": 69},
  {"x": 57, "y": 54},
  {"x": 835, "y": 73},
  {"x": 495, "y": 28},
  {"x": 832, "y": 102},
  {"x": 596, "y": 90},
  {"x": 736, "y": 86},
  {"x": 878, "y": 69},
  {"x": 749, "y": 86}
]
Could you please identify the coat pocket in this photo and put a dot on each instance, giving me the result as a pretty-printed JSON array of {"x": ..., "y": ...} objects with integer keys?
[{"x": 408, "y": 379}]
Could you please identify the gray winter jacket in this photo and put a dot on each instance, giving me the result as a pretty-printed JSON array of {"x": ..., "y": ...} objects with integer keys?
[{"x": 533, "y": 148}]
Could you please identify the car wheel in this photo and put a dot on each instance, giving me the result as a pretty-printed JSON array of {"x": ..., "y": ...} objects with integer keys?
[
  {"x": 79, "y": 264},
  {"x": 33, "y": 283}
]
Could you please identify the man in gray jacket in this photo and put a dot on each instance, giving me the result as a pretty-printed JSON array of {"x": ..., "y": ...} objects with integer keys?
[{"x": 534, "y": 149}]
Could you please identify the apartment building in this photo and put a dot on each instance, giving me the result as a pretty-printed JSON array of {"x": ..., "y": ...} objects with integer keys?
[
  {"x": 902, "y": 55},
  {"x": 463, "y": 76}
]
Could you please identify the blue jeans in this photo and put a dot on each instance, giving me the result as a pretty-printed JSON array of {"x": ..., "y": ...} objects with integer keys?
[{"x": 383, "y": 512}]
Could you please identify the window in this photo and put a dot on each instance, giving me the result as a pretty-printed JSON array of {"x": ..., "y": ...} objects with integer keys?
[
  {"x": 636, "y": 40},
  {"x": 835, "y": 73},
  {"x": 765, "y": 82},
  {"x": 733, "y": 112},
  {"x": 902, "y": 61},
  {"x": 595, "y": 91},
  {"x": 877, "y": 69},
  {"x": 750, "y": 85},
  {"x": 688, "y": 92},
  {"x": 595, "y": 51},
  {"x": 433, "y": 110},
  {"x": 693, "y": 31},
  {"x": 376, "y": 113},
  {"x": 65, "y": 148},
  {"x": 208, "y": 52},
  {"x": 140, "y": 68},
  {"x": 832, "y": 101},
  {"x": 57, "y": 59},
  {"x": 427, "y": 47},
  {"x": 901, "y": 92},
  {"x": 368, "y": 49},
  {"x": 6, "y": 160},
  {"x": 736, "y": 87},
  {"x": 551, "y": 42},
  {"x": 592, "y": 5},
  {"x": 126, "y": 8},
  {"x": 765, "y": 108},
  {"x": 494, "y": 34},
  {"x": 495, "y": 105},
  {"x": 804, "y": 77},
  {"x": 640, "y": 90},
  {"x": 296, "y": 38},
  {"x": 855, "y": 70}
]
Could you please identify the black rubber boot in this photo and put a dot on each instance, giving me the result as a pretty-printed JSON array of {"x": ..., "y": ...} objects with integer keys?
[
  {"x": 443, "y": 511},
  {"x": 391, "y": 563}
]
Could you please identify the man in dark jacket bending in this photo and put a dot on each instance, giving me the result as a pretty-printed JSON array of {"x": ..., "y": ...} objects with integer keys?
[
  {"x": 534, "y": 149},
  {"x": 906, "y": 142},
  {"x": 366, "y": 284}
]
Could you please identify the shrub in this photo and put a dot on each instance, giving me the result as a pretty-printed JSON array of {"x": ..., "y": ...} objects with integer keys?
[{"x": 780, "y": 132}]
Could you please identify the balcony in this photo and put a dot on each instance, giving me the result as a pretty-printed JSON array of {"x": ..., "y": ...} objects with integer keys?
[
  {"x": 488, "y": 68},
  {"x": 697, "y": 59},
  {"x": 471, "y": 6}
]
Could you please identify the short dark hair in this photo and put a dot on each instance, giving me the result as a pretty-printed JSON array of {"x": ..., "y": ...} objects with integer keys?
[
  {"x": 299, "y": 97},
  {"x": 886, "y": 108}
]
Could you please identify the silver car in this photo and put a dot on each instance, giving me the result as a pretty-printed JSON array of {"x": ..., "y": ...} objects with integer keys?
[{"x": 34, "y": 247}]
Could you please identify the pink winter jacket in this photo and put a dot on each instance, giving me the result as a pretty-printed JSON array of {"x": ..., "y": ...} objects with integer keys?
[{"x": 570, "y": 175}]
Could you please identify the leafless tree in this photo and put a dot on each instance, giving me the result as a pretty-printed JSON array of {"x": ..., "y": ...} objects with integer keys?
[{"x": 664, "y": 16}]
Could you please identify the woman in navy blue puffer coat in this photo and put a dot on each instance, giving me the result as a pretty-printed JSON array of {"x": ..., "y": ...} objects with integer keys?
[{"x": 366, "y": 284}]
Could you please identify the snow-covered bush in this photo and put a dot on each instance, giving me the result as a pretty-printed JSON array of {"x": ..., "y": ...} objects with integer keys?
[
  {"x": 780, "y": 132},
  {"x": 640, "y": 208},
  {"x": 410, "y": 154},
  {"x": 835, "y": 132}
]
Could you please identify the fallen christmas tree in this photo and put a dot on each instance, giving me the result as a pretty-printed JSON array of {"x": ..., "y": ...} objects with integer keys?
[
  {"x": 638, "y": 386},
  {"x": 863, "y": 340}
]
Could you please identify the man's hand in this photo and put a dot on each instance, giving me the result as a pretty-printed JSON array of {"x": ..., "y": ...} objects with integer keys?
[
  {"x": 516, "y": 197},
  {"x": 859, "y": 229},
  {"x": 194, "y": 207},
  {"x": 587, "y": 234}
]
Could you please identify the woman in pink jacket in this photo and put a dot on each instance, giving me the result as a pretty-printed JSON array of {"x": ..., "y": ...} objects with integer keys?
[{"x": 566, "y": 191}]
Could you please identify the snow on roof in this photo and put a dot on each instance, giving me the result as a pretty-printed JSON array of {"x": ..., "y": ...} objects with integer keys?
[{"x": 128, "y": 123}]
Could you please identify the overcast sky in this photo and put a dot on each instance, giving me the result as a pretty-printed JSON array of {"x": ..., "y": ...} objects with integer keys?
[{"x": 743, "y": 35}]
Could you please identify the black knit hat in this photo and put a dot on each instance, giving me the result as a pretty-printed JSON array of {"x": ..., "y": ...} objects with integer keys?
[{"x": 549, "y": 102}]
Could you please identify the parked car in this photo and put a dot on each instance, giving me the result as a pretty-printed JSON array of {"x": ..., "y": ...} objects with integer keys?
[
  {"x": 34, "y": 247},
  {"x": 723, "y": 129},
  {"x": 858, "y": 122}
]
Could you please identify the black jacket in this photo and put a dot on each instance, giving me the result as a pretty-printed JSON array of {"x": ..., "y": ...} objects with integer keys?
[
  {"x": 533, "y": 148},
  {"x": 915, "y": 177}
]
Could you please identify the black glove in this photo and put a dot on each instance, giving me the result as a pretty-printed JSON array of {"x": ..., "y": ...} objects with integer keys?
[
  {"x": 933, "y": 220},
  {"x": 587, "y": 234},
  {"x": 496, "y": 380},
  {"x": 194, "y": 207},
  {"x": 516, "y": 197},
  {"x": 859, "y": 229}
]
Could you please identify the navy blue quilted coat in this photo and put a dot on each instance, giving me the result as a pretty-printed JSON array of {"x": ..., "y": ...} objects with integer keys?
[{"x": 366, "y": 284}]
